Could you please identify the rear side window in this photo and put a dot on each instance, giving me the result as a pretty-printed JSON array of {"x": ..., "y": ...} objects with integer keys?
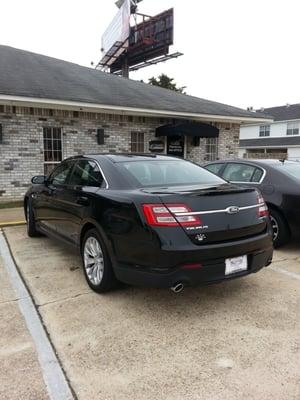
[
  {"x": 235, "y": 172},
  {"x": 168, "y": 173},
  {"x": 86, "y": 173},
  {"x": 215, "y": 168}
]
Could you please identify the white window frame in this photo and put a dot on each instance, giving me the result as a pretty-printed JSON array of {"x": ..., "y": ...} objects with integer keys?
[
  {"x": 211, "y": 149},
  {"x": 264, "y": 130},
  {"x": 137, "y": 142},
  {"x": 292, "y": 128},
  {"x": 54, "y": 163}
]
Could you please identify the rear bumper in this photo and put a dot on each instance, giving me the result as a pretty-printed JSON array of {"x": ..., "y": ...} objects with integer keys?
[{"x": 259, "y": 252}]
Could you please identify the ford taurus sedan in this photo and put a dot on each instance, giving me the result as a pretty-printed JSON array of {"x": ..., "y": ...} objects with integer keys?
[
  {"x": 279, "y": 183},
  {"x": 150, "y": 220}
]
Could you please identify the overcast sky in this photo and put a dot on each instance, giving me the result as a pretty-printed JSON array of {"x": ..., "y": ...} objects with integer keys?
[{"x": 239, "y": 52}]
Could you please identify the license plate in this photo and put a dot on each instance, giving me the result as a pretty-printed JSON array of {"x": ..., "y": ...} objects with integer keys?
[{"x": 237, "y": 264}]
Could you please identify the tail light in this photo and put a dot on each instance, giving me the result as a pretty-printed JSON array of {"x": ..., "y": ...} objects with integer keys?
[
  {"x": 165, "y": 215},
  {"x": 262, "y": 210}
]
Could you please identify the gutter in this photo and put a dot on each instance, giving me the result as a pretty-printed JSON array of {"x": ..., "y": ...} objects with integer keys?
[
  {"x": 283, "y": 121},
  {"x": 269, "y": 146},
  {"x": 93, "y": 107}
]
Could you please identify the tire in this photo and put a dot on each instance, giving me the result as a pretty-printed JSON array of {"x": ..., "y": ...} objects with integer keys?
[
  {"x": 280, "y": 229},
  {"x": 97, "y": 266},
  {"x": 31, "y": 226}
]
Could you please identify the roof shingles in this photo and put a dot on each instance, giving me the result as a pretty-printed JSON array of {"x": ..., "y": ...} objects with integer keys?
[
  {"x": 27, "y": 74},
  {"x": 283, "y": 113}
]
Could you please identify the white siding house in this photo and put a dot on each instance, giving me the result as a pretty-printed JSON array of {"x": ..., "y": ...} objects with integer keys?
[{"x": 279, "y": 139}]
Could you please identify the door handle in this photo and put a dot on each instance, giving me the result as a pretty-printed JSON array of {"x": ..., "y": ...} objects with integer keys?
[
  {"x": 83, "y": 201},
  {"x": 50, "y": 190}
]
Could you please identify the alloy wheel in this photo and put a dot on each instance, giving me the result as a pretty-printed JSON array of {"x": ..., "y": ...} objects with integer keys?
[
  {"x": 93, "y": 260},
  {"x": 275, "y": 227}
]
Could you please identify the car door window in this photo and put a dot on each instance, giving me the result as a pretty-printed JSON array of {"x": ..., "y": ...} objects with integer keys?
[
  {"x": 235, "y": 172},
  {"x": 60, "y": 175},
  {"x": 86, "y": 173},
  {"x": 215, "y": 168}
]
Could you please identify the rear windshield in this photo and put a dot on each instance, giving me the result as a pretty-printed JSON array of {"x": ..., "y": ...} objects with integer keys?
[
  {"x": 290, "y": 168},
  {"x": 168, "y": 173}
]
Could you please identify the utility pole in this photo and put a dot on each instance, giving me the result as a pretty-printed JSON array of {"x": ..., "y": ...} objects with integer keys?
[{"x": 125, "y": 67}]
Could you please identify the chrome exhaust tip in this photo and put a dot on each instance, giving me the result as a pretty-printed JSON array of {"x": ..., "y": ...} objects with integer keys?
[{"x": 177, "y": 288}]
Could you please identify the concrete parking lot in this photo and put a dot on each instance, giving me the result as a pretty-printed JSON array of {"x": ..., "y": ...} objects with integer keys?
[{"x": 235, "y": 340}]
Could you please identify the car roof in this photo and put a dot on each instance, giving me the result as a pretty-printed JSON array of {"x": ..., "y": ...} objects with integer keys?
[{"x": 122, "y": 157}]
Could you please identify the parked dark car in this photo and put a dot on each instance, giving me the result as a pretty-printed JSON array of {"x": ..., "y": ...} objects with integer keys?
[
  {"x": 279, "y": 183},
  {"x": 151, "y": 220}
]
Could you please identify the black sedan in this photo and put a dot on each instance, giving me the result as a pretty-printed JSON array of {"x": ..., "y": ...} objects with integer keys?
[
  {"x": 151, "y": 220},
  {"x": 279, "y": 183}
]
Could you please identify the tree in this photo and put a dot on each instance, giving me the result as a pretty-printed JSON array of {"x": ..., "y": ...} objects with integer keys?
[{"x": 166, "y": 82}]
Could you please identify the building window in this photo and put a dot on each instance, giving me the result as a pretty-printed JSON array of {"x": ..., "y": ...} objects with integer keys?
[
  {"x": 264, "y": 130},
  {"x": 137, "y": 142},
  {"x": 292, "y": 128},
  {"x": 211, "y": 149},
  {"x": 52, "y": 148}
]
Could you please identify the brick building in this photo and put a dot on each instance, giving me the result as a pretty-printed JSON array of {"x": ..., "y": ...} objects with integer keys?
[{"x": 52, "y": 109}]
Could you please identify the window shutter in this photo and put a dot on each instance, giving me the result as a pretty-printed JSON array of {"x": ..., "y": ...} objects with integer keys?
[
  {"x": 196, "y": 141},
  {"x": 100, "y": 136}
]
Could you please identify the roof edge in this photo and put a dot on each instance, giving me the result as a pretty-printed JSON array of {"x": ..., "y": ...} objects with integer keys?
[
  {"x": 276, "y": 121},
  {"x": 83, "y": 106}
]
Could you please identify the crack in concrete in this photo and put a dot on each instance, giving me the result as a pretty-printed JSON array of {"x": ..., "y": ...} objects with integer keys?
[
  {"x": 13, "y": 300},
  {"x": 293, "y": 275},
  {"x": 64, "y": 299},
  {"x": 286, "y": 259},
  {"x": 279, "y": 261}
]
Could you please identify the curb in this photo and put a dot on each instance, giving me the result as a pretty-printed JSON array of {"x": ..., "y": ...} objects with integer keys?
[
  {"x": 15, "y": 223},
  {"x": 55, "y": 379}
]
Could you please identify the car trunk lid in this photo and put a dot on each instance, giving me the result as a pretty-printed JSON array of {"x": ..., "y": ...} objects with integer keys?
[{"x": 213, "y": 214}]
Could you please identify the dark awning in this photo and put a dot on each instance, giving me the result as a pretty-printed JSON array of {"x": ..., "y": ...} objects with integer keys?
[{"x": 198, "y": 129}]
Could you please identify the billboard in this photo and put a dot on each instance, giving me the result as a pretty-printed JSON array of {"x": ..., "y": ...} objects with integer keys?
[
  {"x": 147, "y": 40},
  {"x": 114, "y": 39}
]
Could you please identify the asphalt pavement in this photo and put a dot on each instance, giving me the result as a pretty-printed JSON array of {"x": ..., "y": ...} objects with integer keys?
[{"x": 235, "y": 340}]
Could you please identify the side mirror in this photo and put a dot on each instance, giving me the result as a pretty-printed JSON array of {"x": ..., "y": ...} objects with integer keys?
[{"x": 39, "y": 179}]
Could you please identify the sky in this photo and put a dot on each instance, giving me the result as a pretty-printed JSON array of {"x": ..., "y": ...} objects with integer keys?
[{"x": 239, "y": 52}]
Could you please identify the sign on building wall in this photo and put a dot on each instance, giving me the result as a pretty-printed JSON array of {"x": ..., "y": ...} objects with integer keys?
[{"x": 156, "y": 146}]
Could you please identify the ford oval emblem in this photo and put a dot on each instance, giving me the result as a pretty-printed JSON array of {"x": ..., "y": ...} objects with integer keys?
[{"x": 232, "y": 210}]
